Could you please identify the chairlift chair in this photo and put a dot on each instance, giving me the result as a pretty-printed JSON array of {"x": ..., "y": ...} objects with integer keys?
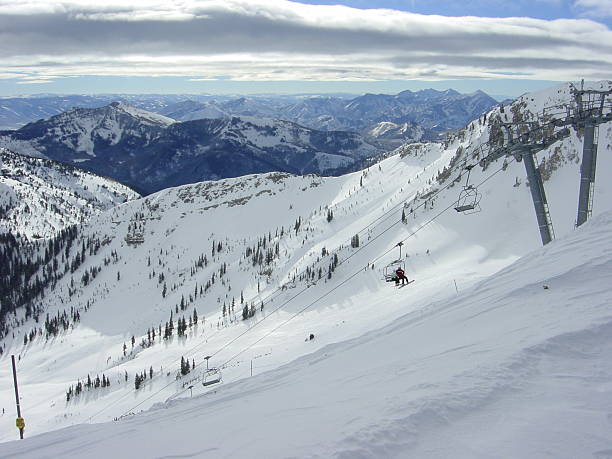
[
  {"x": 389, "y": 270},
  {"x": 469, "y": 198},
  {"x": 210, "y": 376}
]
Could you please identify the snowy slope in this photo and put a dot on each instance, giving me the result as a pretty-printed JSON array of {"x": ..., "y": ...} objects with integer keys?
[
  {"x": 151, "y": 152},
  {"x": 39, "y": 197},
  {"x": 516, "y": 366},
  {"x": 84, "y": 130},
  {"x": 434, "y": 354}
]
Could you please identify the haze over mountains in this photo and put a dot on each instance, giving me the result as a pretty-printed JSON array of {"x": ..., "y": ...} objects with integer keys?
[{"x": 429, "y": 108}]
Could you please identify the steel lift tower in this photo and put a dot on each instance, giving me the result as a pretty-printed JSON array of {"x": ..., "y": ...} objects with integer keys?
[
  {"x": 592, "y": 108},
  {"x": 523, "y": 139}
]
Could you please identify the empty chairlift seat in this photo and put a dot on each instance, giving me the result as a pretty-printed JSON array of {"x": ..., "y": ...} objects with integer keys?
[{"x": 469, "y": 198}]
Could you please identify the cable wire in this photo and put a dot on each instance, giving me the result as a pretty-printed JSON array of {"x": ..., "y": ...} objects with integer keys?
[{"x": 301, "y": 311}]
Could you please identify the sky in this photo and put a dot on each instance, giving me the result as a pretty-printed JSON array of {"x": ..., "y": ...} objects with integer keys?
[{"x": 504, "y": 47}]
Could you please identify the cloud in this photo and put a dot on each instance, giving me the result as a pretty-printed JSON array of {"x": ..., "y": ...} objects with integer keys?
[
  {"x": 271, "y": 40},
  {"x": 35, "y": 81},
  {"x": 595, "y": 8}
]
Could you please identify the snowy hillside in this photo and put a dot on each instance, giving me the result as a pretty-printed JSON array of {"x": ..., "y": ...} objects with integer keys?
[
  {"x": 394, "y": 135},
  {"x": 81, "y": 130},
  {"x": 171, "y": 276},
  {"x": 517, "y": 366},
  {"x": 16, "y": 112},
  {"x": 151, "y": 152},
  {"x": 39, "y": 197}
]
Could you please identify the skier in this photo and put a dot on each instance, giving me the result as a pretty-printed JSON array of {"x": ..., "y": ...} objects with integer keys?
[{"x": 400, "y": 275}]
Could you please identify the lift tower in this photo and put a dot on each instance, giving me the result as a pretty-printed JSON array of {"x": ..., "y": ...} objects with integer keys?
[
  {"x": 522, "y": 140},
  {"x": 592, "y": 108}
]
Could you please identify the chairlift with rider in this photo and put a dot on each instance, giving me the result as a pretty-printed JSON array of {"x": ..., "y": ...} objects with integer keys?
[{"x": 391, "y": 269}]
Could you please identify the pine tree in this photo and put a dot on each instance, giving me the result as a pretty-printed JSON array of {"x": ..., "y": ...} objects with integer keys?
[
  {"x": 137, "y": 381},
  {"x": 185, "y": 368}
]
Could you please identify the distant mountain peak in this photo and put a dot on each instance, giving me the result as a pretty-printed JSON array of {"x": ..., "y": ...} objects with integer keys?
[{"x": 142, "y": 114}]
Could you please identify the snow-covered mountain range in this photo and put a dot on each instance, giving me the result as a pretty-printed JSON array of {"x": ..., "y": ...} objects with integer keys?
[
  {"x": 16, "y": 112},
  {"x": 499, "y": 345},
  {"x": 430, "y": 109},
  {"x": 151, "y": 152},
  {"x": 39, "y": 197}
]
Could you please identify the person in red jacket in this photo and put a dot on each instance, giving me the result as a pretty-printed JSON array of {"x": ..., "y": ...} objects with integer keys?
[{"x": 400, "y": 275}]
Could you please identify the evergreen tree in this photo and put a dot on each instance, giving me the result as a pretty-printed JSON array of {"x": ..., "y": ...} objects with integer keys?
[
  {"x": 137, "y": 381},
  {"x": 185, "y": 368}
]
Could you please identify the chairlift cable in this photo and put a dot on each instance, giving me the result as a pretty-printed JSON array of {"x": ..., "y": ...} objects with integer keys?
[
  {"x": 301, "y": 311},
  {"x": 382, "y": 218}
]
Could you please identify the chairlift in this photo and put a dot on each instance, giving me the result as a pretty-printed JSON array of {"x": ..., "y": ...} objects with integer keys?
[
  {"x": 469, "y": 198},
  {"x": 389, "y": 270},
  {"x": 211, "y": 375}
]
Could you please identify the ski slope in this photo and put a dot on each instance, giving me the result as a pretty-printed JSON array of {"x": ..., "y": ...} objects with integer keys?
[
  {"x": 471, "y": 346},
  {"x": 516, "y": 366}
]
